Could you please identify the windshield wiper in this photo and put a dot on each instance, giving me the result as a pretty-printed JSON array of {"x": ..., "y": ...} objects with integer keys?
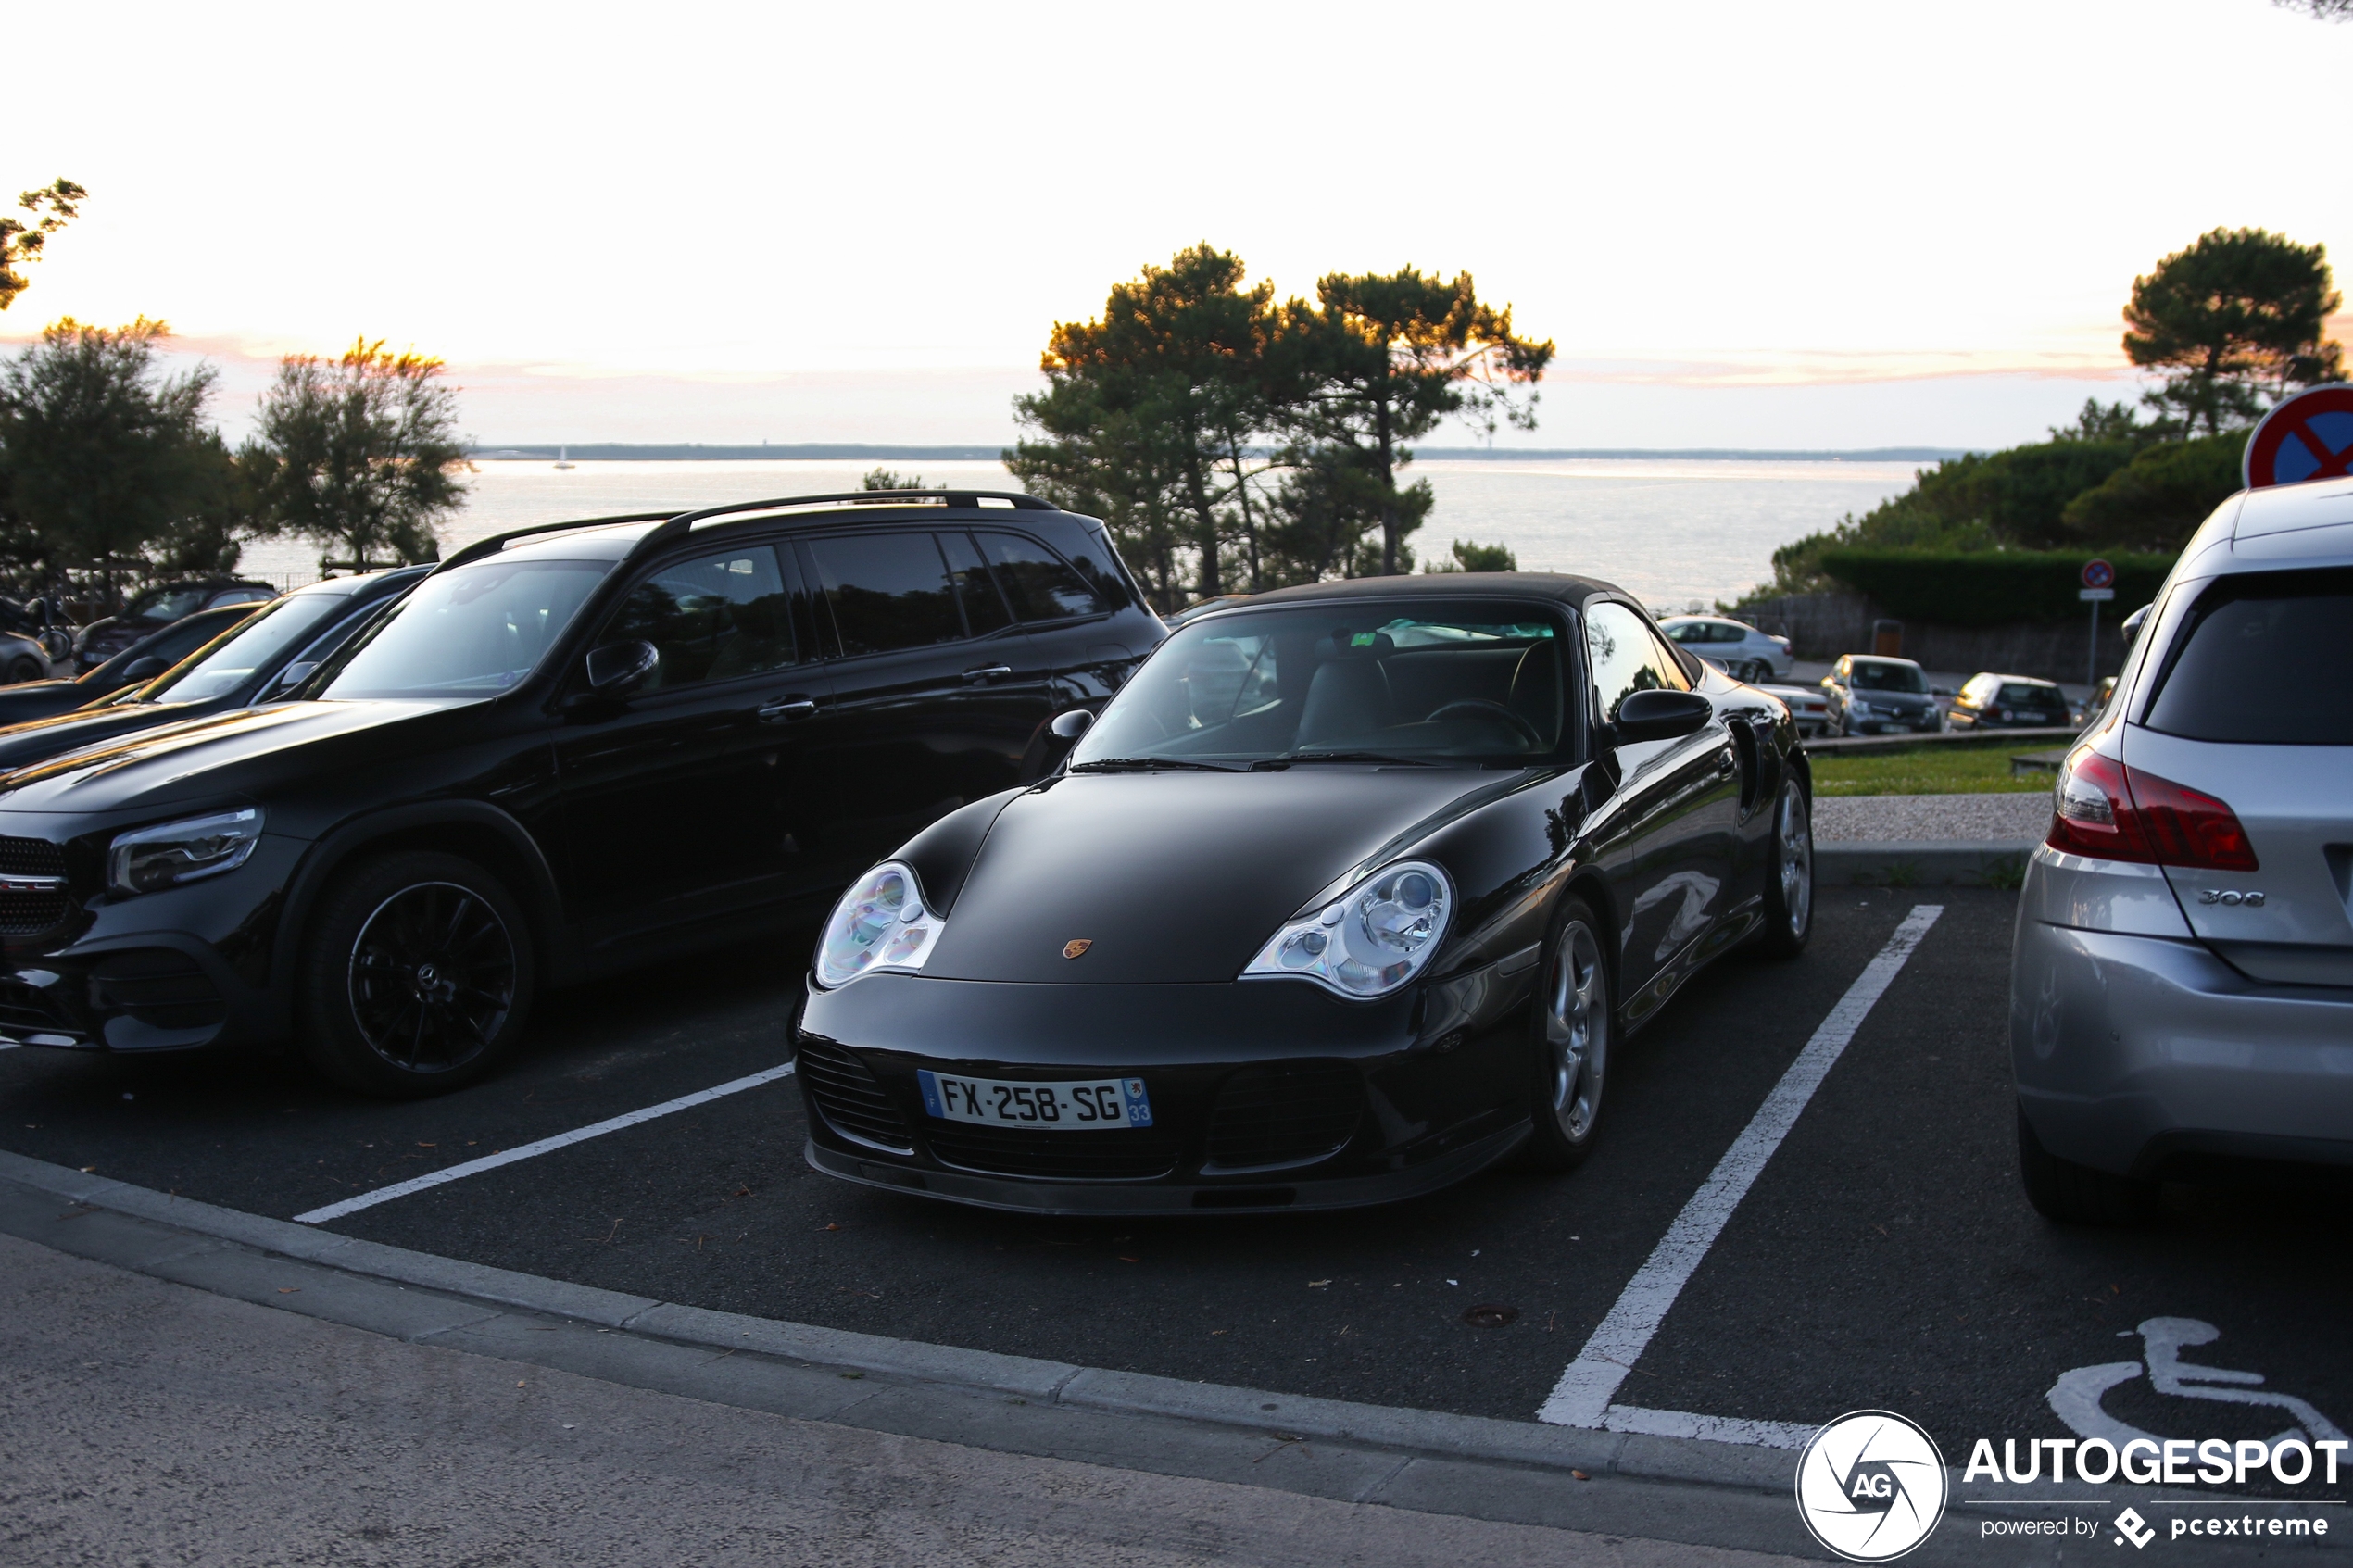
[
  {"x": 1146, "y": 765},
  {"x": 1270, "y": 764}
]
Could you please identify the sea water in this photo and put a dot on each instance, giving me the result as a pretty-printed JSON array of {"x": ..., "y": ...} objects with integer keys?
[{"x": 1676, "y": 533}]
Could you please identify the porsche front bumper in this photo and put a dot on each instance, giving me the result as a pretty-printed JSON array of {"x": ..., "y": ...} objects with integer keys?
[{"x": 1264, "y": 1094}]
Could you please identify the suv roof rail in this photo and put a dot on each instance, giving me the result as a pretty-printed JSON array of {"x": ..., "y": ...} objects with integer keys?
[
  {"x": 945, "y": 497},
  {"x": 497, "y": 541}
]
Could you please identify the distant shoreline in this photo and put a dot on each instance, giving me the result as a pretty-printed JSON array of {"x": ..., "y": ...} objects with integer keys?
[{"x": 610, "y": 452}]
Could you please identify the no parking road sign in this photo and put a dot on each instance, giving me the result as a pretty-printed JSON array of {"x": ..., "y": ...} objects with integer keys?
[
  {"x": 2310, "y": 436},
  {"x": 2098, "y": 574}
]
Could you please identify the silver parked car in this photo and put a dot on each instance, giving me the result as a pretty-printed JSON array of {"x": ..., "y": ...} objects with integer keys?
[
  {"x": 1734, "y": 647},
  {"x": 2182, "y": 976}
]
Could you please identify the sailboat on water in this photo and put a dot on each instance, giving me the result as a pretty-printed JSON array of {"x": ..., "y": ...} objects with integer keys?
[{"x": 564, "y": 457}]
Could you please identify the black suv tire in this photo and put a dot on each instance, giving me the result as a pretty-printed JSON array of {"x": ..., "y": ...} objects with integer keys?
[{"x": 417, "y": 976}]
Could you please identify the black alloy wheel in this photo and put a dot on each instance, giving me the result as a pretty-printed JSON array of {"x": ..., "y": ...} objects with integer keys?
[
  {"x": 1574, "y": 1027},
  {"x": 23, "y": 670},
  {"x": 417, "y": 978},
  {"x": 1789, "y": 877}
]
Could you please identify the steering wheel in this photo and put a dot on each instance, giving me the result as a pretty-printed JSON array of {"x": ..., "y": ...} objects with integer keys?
[{"x": 1480, "y": 708}]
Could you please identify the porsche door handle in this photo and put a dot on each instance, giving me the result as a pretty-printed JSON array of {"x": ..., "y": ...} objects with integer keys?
[
  {"x": 786, "y": 712},
  {"x": 988, "y": 672}
]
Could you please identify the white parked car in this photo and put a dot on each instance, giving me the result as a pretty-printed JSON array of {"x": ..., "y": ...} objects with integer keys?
[
  {"x": 1809, "y": 706},
  {"x": 1734, "y": 647}
]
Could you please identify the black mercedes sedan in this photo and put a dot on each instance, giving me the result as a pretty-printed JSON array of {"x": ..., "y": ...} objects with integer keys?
[
  {"x": 134, "y": 666},
  {"x": 565, "y": 751},
  {"x": 1352, "y": 891},
  {"x": 264, "y": 654}
]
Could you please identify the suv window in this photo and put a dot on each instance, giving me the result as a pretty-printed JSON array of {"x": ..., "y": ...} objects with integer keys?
[
  {"x": 886, "y": 591},
  {"x": 1627, "y": 659},
  {"x": 2244, "y": 668},
  {"x": 984, "y": 611},
  {"x": 713, "y": 619},
  {"x": 472, "y": 631},
  {"x": 1876, "y": 677},
  {"x": 1037, "y": 583}
]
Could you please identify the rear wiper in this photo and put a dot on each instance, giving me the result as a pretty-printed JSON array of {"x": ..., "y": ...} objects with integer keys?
[
  {"x": 1145, "y": 765},
  {"x": 1271, "y": 764}
]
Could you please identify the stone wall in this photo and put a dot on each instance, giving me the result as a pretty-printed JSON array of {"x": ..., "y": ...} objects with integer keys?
[{"x": 1823, "y": 626}]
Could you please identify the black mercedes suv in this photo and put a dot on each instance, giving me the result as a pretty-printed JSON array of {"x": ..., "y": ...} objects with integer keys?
[{"x": 569, "y": 749}]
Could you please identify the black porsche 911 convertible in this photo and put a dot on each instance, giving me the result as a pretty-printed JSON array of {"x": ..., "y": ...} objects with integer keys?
[{"x": 1351, "y": 891}]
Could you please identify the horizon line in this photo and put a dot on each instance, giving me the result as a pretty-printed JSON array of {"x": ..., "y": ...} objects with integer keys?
[{"x": 690, "y": 451}]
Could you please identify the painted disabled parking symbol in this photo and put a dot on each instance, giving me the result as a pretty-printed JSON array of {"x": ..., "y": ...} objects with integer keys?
[{"x": 2075, "y": 1398}]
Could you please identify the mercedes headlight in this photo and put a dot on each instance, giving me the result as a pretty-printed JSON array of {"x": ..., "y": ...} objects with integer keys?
[
  {"x": 879, "y": 923},
  {"x": 1369, "y": 941},
  {"x": 172, "y": 853}
]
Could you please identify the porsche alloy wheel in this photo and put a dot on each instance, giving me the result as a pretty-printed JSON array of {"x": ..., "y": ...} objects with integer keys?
[
  {"x": 418, "y": 976},
  {"x": 1574, "y": 1023},
  {"x": 1789, "y": 893}
]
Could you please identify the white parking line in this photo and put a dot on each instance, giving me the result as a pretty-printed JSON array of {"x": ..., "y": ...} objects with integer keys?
[
  {"x": 1583, "y": 1396},
  {"x": 507, "y": 1156}
]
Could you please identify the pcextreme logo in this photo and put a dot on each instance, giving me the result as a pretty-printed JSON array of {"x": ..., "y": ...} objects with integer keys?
[{"x": 1871, "y": 1486}]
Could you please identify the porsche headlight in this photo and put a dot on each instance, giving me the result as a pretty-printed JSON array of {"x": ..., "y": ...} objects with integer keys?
[
  {"x": 1369, "y": 941},
  {"x": 880, "y": 923},
  {"x": 172, "y": 853}
]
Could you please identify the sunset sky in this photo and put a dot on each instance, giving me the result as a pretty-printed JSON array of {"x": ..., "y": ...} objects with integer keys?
[{"x": 1819, "y": 224}]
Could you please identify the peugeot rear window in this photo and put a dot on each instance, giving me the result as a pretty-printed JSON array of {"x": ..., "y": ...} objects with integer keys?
[{"x": 2254, "y": 663}]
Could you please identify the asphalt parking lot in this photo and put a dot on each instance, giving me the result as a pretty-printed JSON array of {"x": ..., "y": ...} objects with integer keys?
[{"x": 1883, "y": 1258}]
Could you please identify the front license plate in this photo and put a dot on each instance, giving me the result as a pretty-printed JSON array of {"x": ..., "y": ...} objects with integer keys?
[{"x": 1090, "y": 1105}]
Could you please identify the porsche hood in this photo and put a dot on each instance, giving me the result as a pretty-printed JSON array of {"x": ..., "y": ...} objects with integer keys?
[{"x": 1178, "y": 877}]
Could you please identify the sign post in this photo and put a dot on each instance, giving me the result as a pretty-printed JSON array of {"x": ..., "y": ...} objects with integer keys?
[{"x": 2099, "y": 586}]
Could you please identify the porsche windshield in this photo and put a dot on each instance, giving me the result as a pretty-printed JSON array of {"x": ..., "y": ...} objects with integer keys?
[
  {"x": 1450, "y": 681},
  {"x": 474, "y": 631}
]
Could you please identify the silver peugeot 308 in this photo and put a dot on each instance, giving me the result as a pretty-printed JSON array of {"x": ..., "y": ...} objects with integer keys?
[{"x": 2181, "y": 975}]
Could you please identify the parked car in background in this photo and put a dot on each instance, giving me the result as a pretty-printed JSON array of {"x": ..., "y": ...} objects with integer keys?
[
  {"x": 36, "y": 640},
  {"x": 134, "y": 666},
  {"x": 1368, "y": 910},
  {"x": 2009, "y": 702},
  {"x": 2182, "y": 978},
  {"x": 1873, "y": 694},
  {"x": 158, "y": 607},
  {"x": 262, "y": 658},
  {"x": 566, "y": 750},
  {"x": 1734, "y": 647},
  {"x": 1809, "y": 706}
]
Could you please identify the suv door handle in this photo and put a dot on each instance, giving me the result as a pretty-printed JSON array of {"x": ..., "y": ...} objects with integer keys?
[
  {"x": 786, "y": 712},
  {"x": 989, "y": 673}
]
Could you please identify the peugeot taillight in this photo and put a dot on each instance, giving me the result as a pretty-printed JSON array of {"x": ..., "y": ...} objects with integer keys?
[{"x": 2104, "y": 809}]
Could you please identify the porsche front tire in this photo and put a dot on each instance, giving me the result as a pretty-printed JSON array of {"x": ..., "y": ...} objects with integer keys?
[{"x": 1575, "y": 1026}]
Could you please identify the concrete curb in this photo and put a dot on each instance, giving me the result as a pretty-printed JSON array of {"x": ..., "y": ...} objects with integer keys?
[
  {"x": 235, "y": 1254},
  {"x": 1922, "y": 863}
]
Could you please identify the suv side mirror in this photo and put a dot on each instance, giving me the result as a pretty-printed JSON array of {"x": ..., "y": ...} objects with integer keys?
[
  {"x": 1656, "y": 715},
  {"x": 293, "y": 675},
  {"x": 616, "y": 667},
  {"x": 1070, "y": 725}
]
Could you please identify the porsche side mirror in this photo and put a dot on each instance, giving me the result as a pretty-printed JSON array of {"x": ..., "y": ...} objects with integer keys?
[
  {"x": 616, "y": 667},
  {"x": 1072, "y": 724},
  {"x": 1656, "y": 715},
  {"x": 145, "y": 669},
  {"x": 2133, "y": 623}
]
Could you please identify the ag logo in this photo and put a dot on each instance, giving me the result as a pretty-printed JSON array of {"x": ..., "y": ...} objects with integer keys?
[{"x": 1871, "y": 1486}]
